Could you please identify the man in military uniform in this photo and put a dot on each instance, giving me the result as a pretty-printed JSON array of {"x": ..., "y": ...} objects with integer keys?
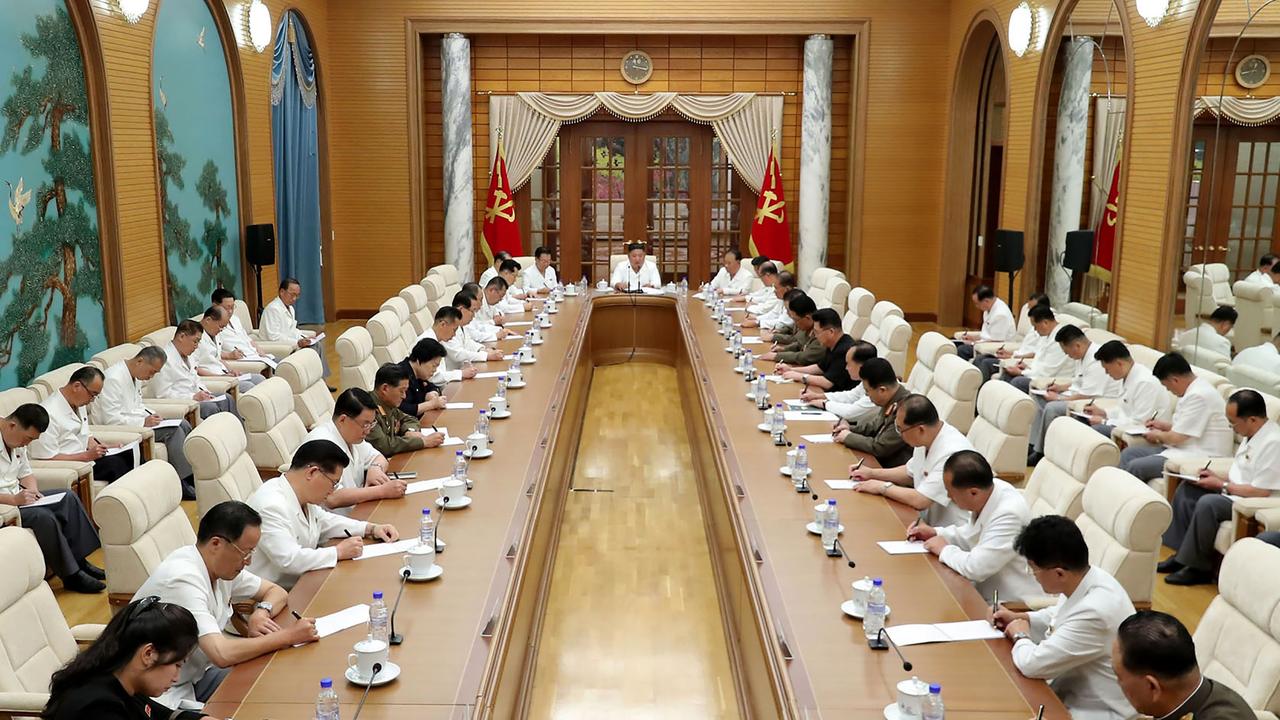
[
  {"x": 877, "y": 433},
  {"x": 395, "y": 431},
  {"x": 801, "y": 347}
]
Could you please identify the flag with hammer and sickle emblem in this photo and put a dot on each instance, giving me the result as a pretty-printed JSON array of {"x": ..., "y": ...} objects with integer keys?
[
  {"x": 1105, "y": 236},
  {"x": 771, "y": 231},
  {"x": 501, "y": 231}
]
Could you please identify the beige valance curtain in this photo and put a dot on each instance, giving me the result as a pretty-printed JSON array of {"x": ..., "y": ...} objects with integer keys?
[
  {"x": 529, "y": 123},
  {"x": 1241, "y": 111}
]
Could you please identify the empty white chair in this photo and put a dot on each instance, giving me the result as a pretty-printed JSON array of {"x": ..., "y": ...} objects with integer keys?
[
  {"x": 1122, "y": 522},
  {"x": 388, "y": 342},
  {"x": 420, "y": 315},
  {"x": 857, "y": 318},
  {"x": 355, "y": 351},
  {"x": 1253, "y": 377},
  {"x": 1254, "y": 314},
  {"x": 838, "y": 293},
  {"x": 819, "y": 279},
  {"x": 398, "y": 307},
  {"x": 449, "y": 274},
  {"x": 274, "y": 428},
  {"x": 1208, "y": 286},
  {"x": 1000, "y": 432},
  {"x": 929, "y": 350},
  {"x": 1073, "y": 452},
  {"x": 894, "y": 338},
  {"x": 1092, "y": 315},
  {"x": 311, "y": 398},
  {"x": 955, "y": 391},
  {"x": 218, "y": 451}
]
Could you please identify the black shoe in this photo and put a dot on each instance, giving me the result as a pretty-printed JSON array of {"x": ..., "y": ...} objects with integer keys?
[
  {"x": 92, "y": 570},
  {"x": 83, "y": 583},
  {"x": 1190, "y": 576},
  {"x": 1169, "y": 566},
  {"x": 1033, "y": 458},
  {"x": 332, "y": 389}
]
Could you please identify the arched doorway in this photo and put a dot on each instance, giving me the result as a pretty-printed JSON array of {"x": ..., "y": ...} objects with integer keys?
[{"x": 975, "y": 170}]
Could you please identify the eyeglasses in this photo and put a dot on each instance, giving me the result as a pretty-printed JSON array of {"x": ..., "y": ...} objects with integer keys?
[
  {"x": 244, "y": 556},
  {"x": 92, "y": 393},
  {"x": 902, "y": 429},
  {"x": 138, "y": 608},
  {"x": 332, "y": 480}
]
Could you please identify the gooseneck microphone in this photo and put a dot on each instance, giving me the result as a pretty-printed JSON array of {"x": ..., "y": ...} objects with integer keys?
[
  {"x": 396, "y": 638},
  {"x": 377, "y": 668},
  {"x": 837, "y": 550},
  {"x": 882, "y": 641},
  {"x": 444, "y": 505}
]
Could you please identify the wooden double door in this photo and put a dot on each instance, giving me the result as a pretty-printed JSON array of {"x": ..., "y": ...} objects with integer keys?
[{"x": 1234, "y": 196}]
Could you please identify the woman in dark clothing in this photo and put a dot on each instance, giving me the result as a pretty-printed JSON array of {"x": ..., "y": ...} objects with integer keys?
[{"x": 136, "y": 658}]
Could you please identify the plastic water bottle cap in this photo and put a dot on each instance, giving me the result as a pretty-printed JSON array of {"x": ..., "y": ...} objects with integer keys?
[
  {"x": 831, "y": 502},
  {"x": 935, "y": 689},
  {"x": 802, "y": 446},
  {"x": 878, "y": 582},
  {"x": 457, "y": 453},
  {"x": 481, "y": 412},
  {"x": 778, "y": 406},
  {"x": 377, "y": 594},
  {"x": 426, "y": 511},
  {"x": 326, "y": 683}
]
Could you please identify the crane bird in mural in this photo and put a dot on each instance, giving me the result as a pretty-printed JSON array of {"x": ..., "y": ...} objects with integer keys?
[
  {"x": 164, "y": 99},
  {"x": 200, "y": 38},
  {"x": 17, "y": 200}
]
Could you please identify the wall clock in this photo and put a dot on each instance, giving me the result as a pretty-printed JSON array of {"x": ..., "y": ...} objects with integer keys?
[
  {"x": 637, "y": 67},
  {"x": 1253, "y": 71}
]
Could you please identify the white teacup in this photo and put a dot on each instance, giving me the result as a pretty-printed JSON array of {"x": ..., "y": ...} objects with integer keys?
[
  {"x": 911, "y": 695},
  {"x": 514, "y": 376},
  {"x": 367, "y": 652},
  {"x": 545, "y": 322},
  {"x": 477, "y": 443},
  {"x": 526, "y": 353},
  {"x": 602, "y": 285},
  {"x": 419, "y": 560},
  {"x": 537, "y": 334},
  {"x": 455, "y": 490},
  {"x": 497, "y": 405},
  {"x": 861, "y": 592},
  {"x": 571, "y": 290}
]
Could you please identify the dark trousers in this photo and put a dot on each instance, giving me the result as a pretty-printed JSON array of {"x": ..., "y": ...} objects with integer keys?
[
  {"x": 64, "y": 532},
  {"x": 988, "y": 365},
  {"x": 964, "y": 350},
  {"x": 112, "y": 467},
  {"x": 1197, "y": 513}
]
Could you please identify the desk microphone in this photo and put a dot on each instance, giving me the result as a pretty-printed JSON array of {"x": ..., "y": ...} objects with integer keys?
[
  {"x": 395, "y": 638},
  {"x": 444, "y": 505},
  {"x": 377, "y": 668},
  {"x": 837, "y": 550},
  {"x": 882, "y": 641}
]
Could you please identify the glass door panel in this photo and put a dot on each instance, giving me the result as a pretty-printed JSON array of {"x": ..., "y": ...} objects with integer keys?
[
  {"x": 667, "y": 204},
  {"x": 602, "y": 172}
]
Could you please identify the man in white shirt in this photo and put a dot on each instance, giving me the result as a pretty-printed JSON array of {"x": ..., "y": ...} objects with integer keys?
[
  {"x": 471, "y": 335},
  {"x": 1047, "y": 361},
  {"x": 295, "y": 522},
  {"x": 204, "y": 578},
  {"x": 364, "y": 478},
  {"x": 1069, "y": 644},
  {"x": 539, "y": 279},
  {"x": 120, "y": 403},
  {"x": 1265, "y": 357},
  {"x": 849, "y": 405},
  {"x": 62, "y": 529},
  {"x": 513, "y": 302},
  {"x": 1200, "y": 506},
  {"x": 1089, "y": 381},
  {"x": 279, "y": 324},
  {"x": 178, "y": 378},
  {"x": 765, "y": 295},
  {"x": 981, "y": 548},
  {"x": 492, "y": 271},
  {"x": 457, "y": 358},
  {"x": 772, "y": 314},
  {"x": 733, "y": 278},
  {"x": 234, "y": 340},
  {"x": 919, "y": 483},
  {"x": 998, "y": 324},
  {"x": 1212, "y": 334},
  {"x": 1262, "y": 276},
  {"x": 1199, "y": 427},
  {"x": 474, "y": 327},
  {"x": 208, "y": 353},
  {"x": 636, "y": 273},
  {"x": 1142, "y": 397},
  {"x": 1027, "y": 348},
  {"x": 490, "y": 312},
  {"x": 67, "y": 437}
]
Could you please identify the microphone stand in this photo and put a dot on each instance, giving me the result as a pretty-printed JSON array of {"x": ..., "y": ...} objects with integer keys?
[
  {"x": 377, "y": 668},
  {"x": 837, "y": 550},
  {"x": 444, "y": 505},
  {"x": 395, "y": 638},
  {"x": 882, "y": 641}
]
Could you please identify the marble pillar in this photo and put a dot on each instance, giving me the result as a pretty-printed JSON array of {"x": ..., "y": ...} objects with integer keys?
[
  {"x": 1067, "y": 192},
  {"x": 815, "y": 155},
  {"x": 459, "y": 185}
]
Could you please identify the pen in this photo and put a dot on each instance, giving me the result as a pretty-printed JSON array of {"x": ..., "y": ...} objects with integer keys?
[
  {"x": 1040, "y": 715},
  {"x": 856, "y": 466},
  {"x": 995, "y": 605},
  {"x": 296, "y": 616},
  {"x": 347, "y": 533}
]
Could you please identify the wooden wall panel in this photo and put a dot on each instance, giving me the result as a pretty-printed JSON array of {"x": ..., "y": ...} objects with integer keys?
[{"x": 1215, "y": 66}]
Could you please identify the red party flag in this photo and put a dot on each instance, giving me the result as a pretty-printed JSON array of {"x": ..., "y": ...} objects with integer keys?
[
  {"x": 501, "y": 231},
  {"x": 770, "y": 233},
  {"x": 1105, "y": 236}
]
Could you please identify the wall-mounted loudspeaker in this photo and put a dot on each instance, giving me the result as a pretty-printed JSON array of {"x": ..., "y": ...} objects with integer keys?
[
  {"x": 1009, "y": 257},
  {"x": 260, "y": 244}
]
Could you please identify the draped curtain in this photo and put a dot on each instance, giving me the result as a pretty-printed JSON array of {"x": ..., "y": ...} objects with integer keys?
[
  {"x": 529, "y": 123},
  {"x": 295, "y": 143},
  {"x": 1241, "y": 111},
  {"x": 1108, "y": 124}
]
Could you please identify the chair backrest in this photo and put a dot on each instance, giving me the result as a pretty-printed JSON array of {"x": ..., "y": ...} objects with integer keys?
[
  {"x": 1145, "y": 355},
  {"x": 1254, "y": 312},
  {"x": 1208, "y": 286},
  {"x": 435, "y": 287},
  {"x": 894, "y": 337},
  {"x": 527, "y": 261},
  {"x": 159, "y": 338},
  {"x": 1000, "y": 432},
  {"x": 398, "y": 307},
  {"x": 1066, "y": 318},
  {"x": 220, "y": 462},
  {"x": 34, "y": 638},
  {"x": 447, "y": 272},
  {"x": 311, "y": 398},
  {"x": 50, "y": 382},
  {"x": 1216, "y": 380},
  {"x": 1238, "y": 638},
  {"x": 114, "y": 354},
  {"x": 955, "y": 391},
  {"x": 140, "y": 521},
  {"x": 355, "y": 351},
  {"x": 1101, "y": 335},
  {"x": 1122, "y": 522},
  {"x": 858, "y": 315},
  {"x": 821, "y": 278},
  {"x": 242, "y": 313},
  {"x": 614, "y": 262},
  {"x": 420, "y": 316},
  {"x": 1206, "y": 359},
  {"x": 929, "y": 349},
  {"x": 838, "y": 293},
  {"x": 12, "y": 398},
  {"x": 388, "y": 341},
  {"x": 274, "y": 428},
  {"x": 1251, "y": 376},
  {"x": 1073, "y": 452},
  {"x": 882, "y": 310}
]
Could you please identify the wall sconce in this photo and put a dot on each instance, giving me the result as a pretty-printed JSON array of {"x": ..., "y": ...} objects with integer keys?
[
  {"x": 1021, "y": 29},
  {"x": 1153, "y": 11},
  {"x": 133, "y": 10},
  {"x": 259, "y": 21}
]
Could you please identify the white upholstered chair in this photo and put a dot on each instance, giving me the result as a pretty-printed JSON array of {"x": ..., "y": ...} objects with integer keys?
[
  {"x": 879, "y": 313},
  {"x": 893, "y": 341},
  {"x": 1073, "y": 452},
  {"x": 1122, "y": 522},
  {"x": 1255, "y": 320},
  {"x": 355, "y": 351},
  {"x": 311, "y": 398},
  {"x": 931, "y": 347},
  {"x": 1099, "y": 335},
  {"x": 452, "y": 280},
  {"x": 819, "y": 280},
  {"x": 398, "y": 307},
  {"x": 1000, "y": 431},
  {"x": 140, "y": 520},
  {"x": 838, "y": 293},
  {"x": 436, "y": 298},
  {"x": 526, "y": 261},
  {"x": 1206, "y": 359},
  {"x": 1208, "y": 286},
  {"x": 955, "y": 391},
  {"x": 218, "y": 451},
  {"x": 1253, "y": 377},
  {"x": 1145, "y": 355},
  {"x": 389, "y": 345},
  {"x": 420, "y": 315},
  {"x": 857, "y": 318},
  {"x": 275, "y": 431}
]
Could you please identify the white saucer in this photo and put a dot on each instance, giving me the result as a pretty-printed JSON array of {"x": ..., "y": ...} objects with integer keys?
[
  {"x": 847, "y": 608},
  {"x": 785, "y": 470},
  {"x": 891, "y": 711},
  {"x": 536, "y": 342},
  {"x": 816, "y": 529},
  {"x": 545, "y": 326},
  {"x": 554, "y": 312},
  {"x": 435, "y": 572},
  {"x": 530, "y": 361},
  {"x": 478, "y": 456},
  {"x": 390, "y": 671},
  {"x": 501, "y": 415},
  {"x": 517, "y": 386},
  {"x": 466, "y": 501},
  {"x": 738, "y": 369},
  {"x": 765, "y": 427},
  {"x": 728, "y": 349}
]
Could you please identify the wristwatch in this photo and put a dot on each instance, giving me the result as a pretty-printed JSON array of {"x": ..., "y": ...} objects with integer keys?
[
  {"x": 887, "y": 486},
  {"x": 1020, "y": 636},
  {"x": 264, "y": 605}
]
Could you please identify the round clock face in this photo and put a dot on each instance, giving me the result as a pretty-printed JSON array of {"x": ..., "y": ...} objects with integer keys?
[
  {"x": 1253, "y": 71},
  {"x": 637, "y": 66}
]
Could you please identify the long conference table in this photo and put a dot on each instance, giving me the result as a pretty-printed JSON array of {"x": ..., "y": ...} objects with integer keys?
[{"x": 472, "y": 636}]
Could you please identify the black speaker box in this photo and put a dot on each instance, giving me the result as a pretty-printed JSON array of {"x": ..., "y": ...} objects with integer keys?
[
  {"x": 1009, "y": 257},
  {"x": 260, "y": 244},
  {"x": 1079, "y": 255}
]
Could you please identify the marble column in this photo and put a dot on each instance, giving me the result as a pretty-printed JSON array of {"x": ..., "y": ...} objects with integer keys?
[
  {"x": 1067, "y": 192},
  {"x": 815, "y": 155},
  {"x": 459, "y": 185}
]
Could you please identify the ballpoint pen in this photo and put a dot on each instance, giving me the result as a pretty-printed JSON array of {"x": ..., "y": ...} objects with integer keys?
[
  {"x": 296, "y": 615},
  {"x": 995, "y": 605}
]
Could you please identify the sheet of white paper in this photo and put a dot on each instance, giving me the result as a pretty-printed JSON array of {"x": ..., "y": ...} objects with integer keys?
[
  {"x": 739, "y": 308},
  {"x": 127, "y": 447},
  {"x": 343, "y": 619},
  {"x": 217, "y": 398},
  {"x": 518, "y": 323},
  {"x": 754, "y": 340},
  {"x": 840, "y": 484},
  {"x": 905, "y": 635},
  {"x": 794, "y": 404},
  {"x": 243, "y": 376},
  {"x": 46, "y": 500},
  {"x": 269, "y": 362},
  {"x": 809, "y": 416},
  {"x": 459, "y": 406},
  {"x": 451, "y": 441},
  {"x": 167, "y": 423},
  {"x": 1083, "y": 415},
  {"x": 777, "y": 379},
  {"x": 902, "y": 547},
  {"x": 1134, "y": 430},
  {"x": 1182, "y": 476},
  {"x": 424, "y": 485},
  {"x": 493, "y": 374},
  {"x": 652, "y": 291},
  {"x": 512, "y": 356},
  {"x": 376, "y": 550},
  {"x": 1039, "y": 391},
  {"x": 819, "y": 439},
  {"x": 699, "y": 296},
  {"x": 317, "y": 338}
]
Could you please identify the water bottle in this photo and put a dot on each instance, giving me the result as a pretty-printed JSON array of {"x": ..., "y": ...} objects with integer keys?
[
  {"x": 933, "y": 709},
  {"x": 830, "y": 520},
  {"x": 874, "y": 620},
  {"x": 427, "y": 530},
  {"x": 776, "y": 422},
  {"x": 482, "y": 425},
  {"x": 762, "y": 391},
  {"x": 502, "y": 386},
  {"x": 748, "y": 365},
  {"x": 800, "y": 471},
  {"x": 684, "y": 285},
  {"x": 379, "y": 626},
  {"x": 460, "y": 464},
  {"x": 327, "y": 701}
]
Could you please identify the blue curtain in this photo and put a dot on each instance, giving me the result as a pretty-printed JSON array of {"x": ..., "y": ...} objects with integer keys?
[{"x": 295, "y": 145}]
